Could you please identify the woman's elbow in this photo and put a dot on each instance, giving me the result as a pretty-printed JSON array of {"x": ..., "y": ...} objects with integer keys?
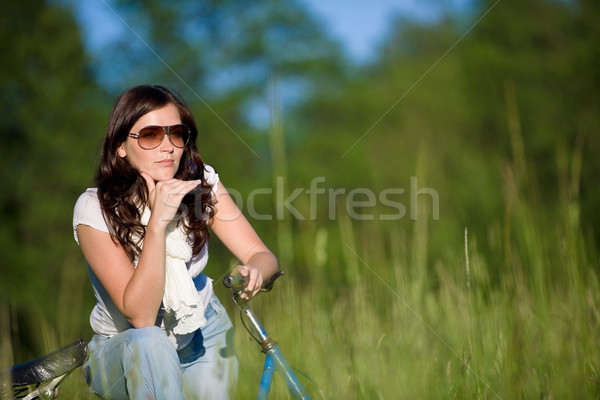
[{"x": 142, "y": 319}]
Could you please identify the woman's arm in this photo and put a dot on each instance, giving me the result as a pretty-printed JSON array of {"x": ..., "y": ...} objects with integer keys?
[
  {"x": 136, "y": 291},
  {"x": 234, "y": 230}
]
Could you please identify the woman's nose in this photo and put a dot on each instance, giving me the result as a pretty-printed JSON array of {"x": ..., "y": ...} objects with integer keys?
[{"x": 166, "y": 145}]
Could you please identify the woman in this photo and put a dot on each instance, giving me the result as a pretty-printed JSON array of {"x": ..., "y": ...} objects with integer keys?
[{"x": 160, "y": 332}]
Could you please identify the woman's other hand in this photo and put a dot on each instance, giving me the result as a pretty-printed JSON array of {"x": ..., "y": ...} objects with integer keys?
[{"x": 254, "y": 280}]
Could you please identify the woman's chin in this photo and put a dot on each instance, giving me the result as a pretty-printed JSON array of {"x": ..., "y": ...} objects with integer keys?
[{"x": 162, "y": 176}]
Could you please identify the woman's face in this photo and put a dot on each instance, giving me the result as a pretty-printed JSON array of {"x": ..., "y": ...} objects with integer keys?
[{"x": 162, "y": 162}]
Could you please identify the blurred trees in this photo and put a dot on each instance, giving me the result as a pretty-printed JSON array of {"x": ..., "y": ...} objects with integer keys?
[
  {"x": 547, "y": 53},
  {"x": 462, "y": 105},
  {"x": 50, "y": 132},
  {"x": 220, "y": 55},
  {"x": 531, "y": 80},
  {"x": 218, "y": 48}
]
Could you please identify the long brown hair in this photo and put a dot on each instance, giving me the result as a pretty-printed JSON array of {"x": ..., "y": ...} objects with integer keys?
[{"x": 122, "y": 190}]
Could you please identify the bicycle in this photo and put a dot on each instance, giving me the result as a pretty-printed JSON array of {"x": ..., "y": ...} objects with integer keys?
[
  {"x": 40, "y": 378},
  {"x": 274, "y": 359}
]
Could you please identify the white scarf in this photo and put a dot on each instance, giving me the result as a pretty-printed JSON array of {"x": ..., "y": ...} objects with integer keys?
[{"x": 181, "y": 296}]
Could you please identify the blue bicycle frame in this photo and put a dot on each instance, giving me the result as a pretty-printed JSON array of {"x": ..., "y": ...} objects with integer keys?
[{"x": 274, "y": 361}]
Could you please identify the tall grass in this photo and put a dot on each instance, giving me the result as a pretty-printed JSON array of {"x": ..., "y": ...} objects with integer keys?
[
  {"x": 379, "y": 319},
  {"x": 395, "y": 331}
]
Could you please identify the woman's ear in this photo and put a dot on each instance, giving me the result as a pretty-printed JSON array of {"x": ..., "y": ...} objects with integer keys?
[{"x": 121, "y": 151}]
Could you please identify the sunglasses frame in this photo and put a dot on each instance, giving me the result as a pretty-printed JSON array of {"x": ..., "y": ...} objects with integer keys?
[{"x": 166, "y": 132}]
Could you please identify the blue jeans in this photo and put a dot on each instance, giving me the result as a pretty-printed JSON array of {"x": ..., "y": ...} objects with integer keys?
[{"x": 144, "y": 364}]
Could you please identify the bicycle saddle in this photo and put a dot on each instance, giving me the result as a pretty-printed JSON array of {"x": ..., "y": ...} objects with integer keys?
[{"x": 49, "y": 366}]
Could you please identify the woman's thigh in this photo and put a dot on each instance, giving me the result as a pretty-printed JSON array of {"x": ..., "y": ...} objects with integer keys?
[{"x": 137, "y": 363}]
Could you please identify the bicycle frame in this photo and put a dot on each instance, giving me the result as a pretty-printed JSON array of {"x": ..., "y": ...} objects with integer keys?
[{"x": 274, "y": 359}]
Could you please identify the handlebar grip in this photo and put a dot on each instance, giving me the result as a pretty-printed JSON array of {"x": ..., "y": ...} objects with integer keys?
[
  {"x": 232, "y": 281},
  {"x": 237, "y": 281},
  {"x": 268, "y": 285}
]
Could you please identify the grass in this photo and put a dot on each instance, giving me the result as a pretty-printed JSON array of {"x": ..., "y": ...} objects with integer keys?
[
  {"x": 379, "y": 319},
  {"x": 387, "y": 336}
]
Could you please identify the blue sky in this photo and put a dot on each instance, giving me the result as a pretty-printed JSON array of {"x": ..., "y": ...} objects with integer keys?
[
  {"x": 361, "y": 24},
  {"x": 358, "y": 24}
]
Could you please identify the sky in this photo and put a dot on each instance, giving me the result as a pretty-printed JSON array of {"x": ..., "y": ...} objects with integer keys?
[{"x": 358, "y": 24}]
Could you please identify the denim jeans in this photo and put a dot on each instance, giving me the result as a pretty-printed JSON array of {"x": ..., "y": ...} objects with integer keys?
[{"x": 144, "y": 364}]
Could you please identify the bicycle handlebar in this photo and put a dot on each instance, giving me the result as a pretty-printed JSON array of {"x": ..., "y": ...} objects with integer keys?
[{"x": 237, "y": 282}]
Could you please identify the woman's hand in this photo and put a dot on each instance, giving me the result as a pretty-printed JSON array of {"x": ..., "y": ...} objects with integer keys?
[
  {"x": 164, "y": 197},
  {"x": 254, "y": 278}
]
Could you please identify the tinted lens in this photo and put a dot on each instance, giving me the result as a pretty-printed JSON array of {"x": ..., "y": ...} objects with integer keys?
[
  {"x": 179, "y": 135},
  {"x": 151, "y": 136}
]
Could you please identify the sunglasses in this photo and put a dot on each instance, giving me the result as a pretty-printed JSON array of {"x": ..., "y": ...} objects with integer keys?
[{"x": 151, "y": 137}]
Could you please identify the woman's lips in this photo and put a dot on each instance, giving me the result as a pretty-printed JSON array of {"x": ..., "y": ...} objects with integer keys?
[{"x": 166, "y": 162}]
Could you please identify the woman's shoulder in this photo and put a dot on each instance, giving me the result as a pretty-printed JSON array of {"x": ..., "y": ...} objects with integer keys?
[
  {"x": 211, "y": 176},
  {"x": 88, "y": 211},
  {"x": 87, "y": 199},
  {"x": 91, "y": 192}
]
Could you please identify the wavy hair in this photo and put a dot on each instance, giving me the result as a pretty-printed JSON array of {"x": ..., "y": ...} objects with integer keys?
[{"x": 122, "y": 190}]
